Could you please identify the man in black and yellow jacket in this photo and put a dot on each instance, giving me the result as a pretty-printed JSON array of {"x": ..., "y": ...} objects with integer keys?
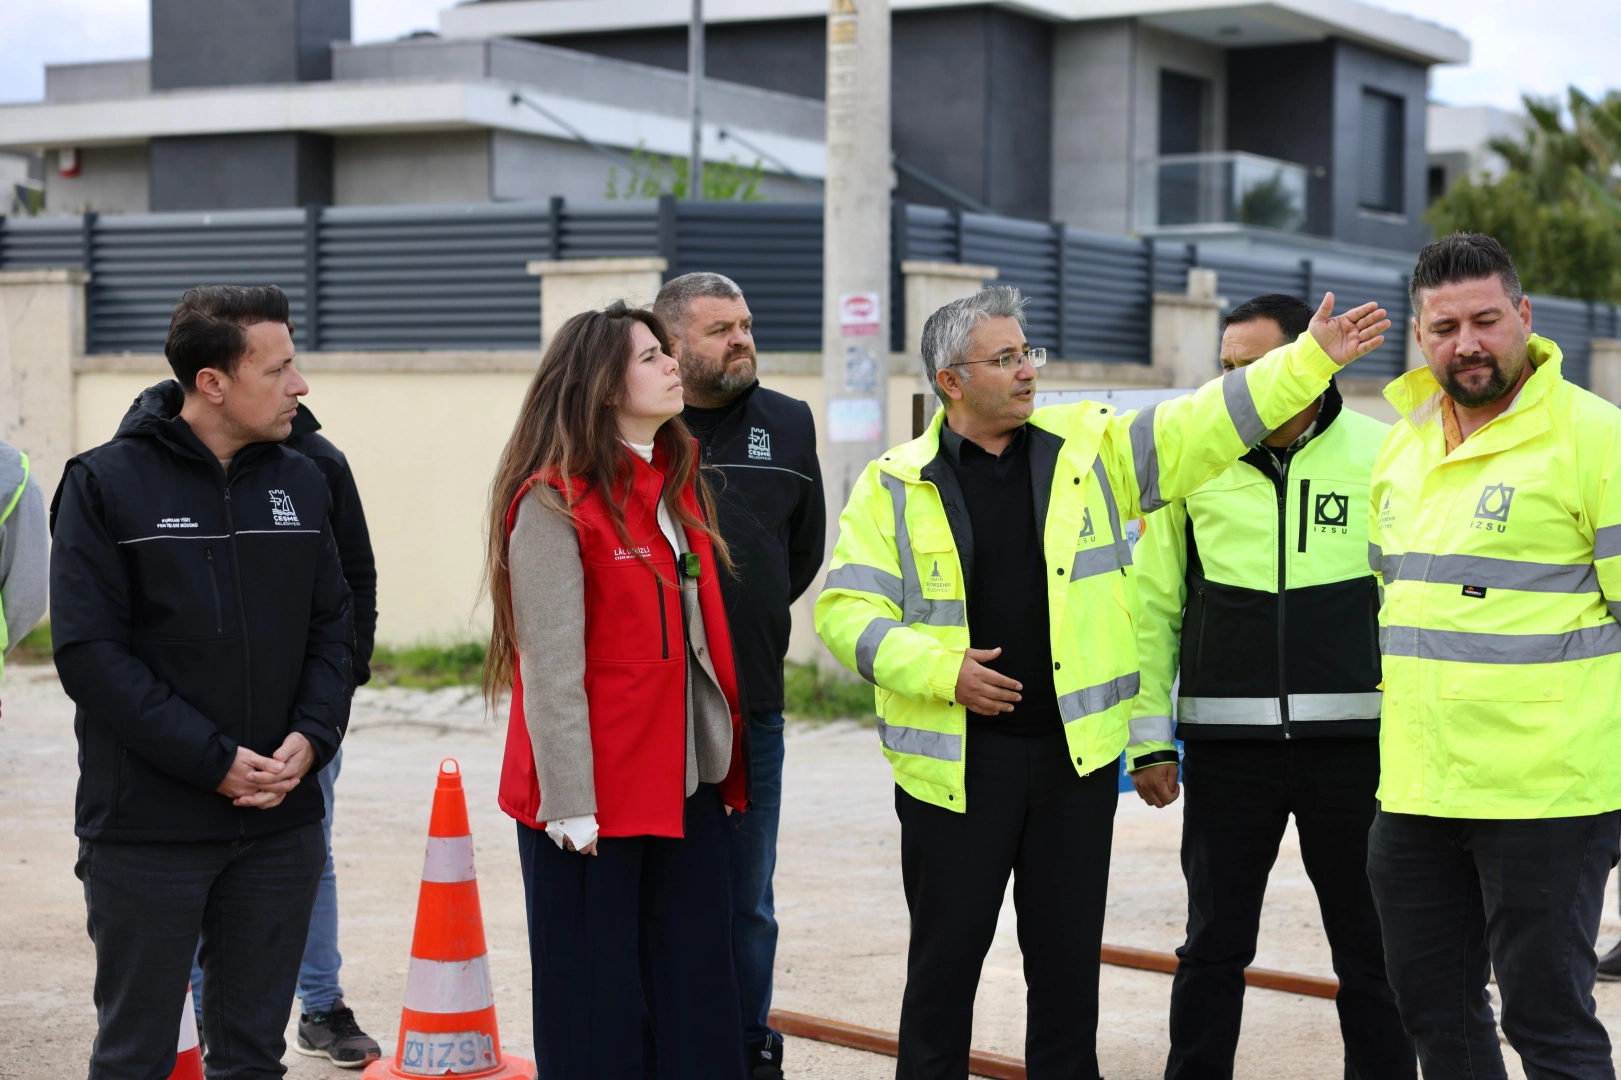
[{"x": 1258, "y": 587}]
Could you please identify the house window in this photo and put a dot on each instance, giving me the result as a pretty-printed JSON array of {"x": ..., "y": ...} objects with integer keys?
[
  {"x": 1184, "y": 103},
  {"x": 1380, "y": 167}
]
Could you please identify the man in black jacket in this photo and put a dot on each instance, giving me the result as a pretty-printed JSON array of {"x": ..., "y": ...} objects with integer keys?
[
  {"x": 203, "y": 628},
  {"x": 772, "y": 517}
]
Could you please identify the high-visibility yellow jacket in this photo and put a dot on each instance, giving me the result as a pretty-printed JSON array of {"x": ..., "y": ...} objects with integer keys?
[
  {"x": 1501, "y": 565},
  {"x": 1268, "y": 562},
  {"x": 13, "y": 482},
  {"x": 894, "y": 607}
]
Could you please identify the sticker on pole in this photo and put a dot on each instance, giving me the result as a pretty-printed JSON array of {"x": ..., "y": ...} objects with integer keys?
[
  {"x": 854, "y": 420},
  {"x": 447, "y": 1053},
  {"x": 860, "y": 370},
  {"x": 858, "y": 314}
]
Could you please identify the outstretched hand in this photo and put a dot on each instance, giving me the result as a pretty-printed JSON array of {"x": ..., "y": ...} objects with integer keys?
[{"x": 1355, "y": 334}]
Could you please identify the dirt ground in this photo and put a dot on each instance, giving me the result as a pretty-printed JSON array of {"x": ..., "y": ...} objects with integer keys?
[{"x": 839, "y": 899}]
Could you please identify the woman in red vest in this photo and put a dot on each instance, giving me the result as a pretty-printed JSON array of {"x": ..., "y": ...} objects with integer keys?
[{"x": 624, "y": 749}]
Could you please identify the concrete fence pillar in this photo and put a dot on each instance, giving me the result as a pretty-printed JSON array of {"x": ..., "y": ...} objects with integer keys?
[
  {"x": 1187, "y": 331},
  {"x": 570, "y": 286},
  {"x": 41, "y": 334},
  {"x": 1604, "y": 372},
  {"x": 930, "y": 286}
]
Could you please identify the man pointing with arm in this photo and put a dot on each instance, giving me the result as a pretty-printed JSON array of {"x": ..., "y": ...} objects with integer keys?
[{"x": 983, "y": 583}]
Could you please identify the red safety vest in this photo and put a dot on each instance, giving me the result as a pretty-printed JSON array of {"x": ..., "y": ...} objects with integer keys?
[{"x": 635, "y": 668}]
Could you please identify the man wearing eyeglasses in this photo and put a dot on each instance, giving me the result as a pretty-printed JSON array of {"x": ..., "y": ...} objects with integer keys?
[{"x": 982, "y": 582}]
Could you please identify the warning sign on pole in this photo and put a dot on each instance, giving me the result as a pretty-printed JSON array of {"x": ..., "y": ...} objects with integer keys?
[{"x": 859, "y": 314}]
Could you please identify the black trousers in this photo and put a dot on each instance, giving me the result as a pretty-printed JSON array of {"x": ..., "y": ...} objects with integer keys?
[
  {"x": 1459, "y": 897},
  {"x": 631, "y": 954},
  {"x": 148, "y": 903},
  {"x": 1031, "y": 815},
  {"x": 1239, "y": 798}
]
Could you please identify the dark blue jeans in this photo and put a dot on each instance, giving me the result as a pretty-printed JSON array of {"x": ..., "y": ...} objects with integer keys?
[
  {"x": 630, "y": 953},
  {"x": 1459, "y": 897},
  {"x": 754, "y": 851},
  {"x": 147, "y": 903}
]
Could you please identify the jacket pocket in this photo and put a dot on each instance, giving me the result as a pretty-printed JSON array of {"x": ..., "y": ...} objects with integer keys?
[{"x": 1504, "y": 727}]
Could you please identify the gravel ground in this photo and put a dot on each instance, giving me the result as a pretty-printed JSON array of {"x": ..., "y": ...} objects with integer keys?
[{"x": 839, "y": 899}]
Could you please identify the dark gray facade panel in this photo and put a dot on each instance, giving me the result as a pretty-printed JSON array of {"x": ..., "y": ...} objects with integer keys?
[
  {"x": 1278, "y": 99},
  {"x": 1357, "y": 70},
  {"x": 244, "y": 42},
  {"x": 240, "y": 172},
  {"x": 789, "y": 55},
  {"x": 1019, "y": 138}
]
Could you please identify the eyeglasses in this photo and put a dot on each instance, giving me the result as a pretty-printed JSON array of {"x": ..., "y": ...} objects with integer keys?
[{"x": 1037, "y": 358}]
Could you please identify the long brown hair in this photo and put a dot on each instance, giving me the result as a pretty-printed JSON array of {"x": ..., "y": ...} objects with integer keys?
[{"x": 568, "y": 428}]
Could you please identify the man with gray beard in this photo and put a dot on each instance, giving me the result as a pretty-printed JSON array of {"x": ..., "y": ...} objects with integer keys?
[{"x": 773, "y": 519}]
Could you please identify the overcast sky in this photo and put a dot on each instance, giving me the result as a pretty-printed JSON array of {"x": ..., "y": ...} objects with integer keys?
[{"x": 1539, "y": 47}]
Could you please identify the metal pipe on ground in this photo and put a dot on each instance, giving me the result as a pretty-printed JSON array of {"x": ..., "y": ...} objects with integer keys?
[{"x": 1002, "y": 1067}]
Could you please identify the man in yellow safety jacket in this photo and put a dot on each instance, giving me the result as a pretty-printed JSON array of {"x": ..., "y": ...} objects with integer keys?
[
  {"x": 1257, "y": 588},
  {"x": 24, "y": 549},
  {"x": 983, "y": 583},
  {"x": 1495, "y": 524}
]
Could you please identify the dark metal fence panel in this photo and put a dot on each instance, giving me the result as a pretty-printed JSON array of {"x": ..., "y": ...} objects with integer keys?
[
  {"x": 1108, "y": 303},
  {"x": 1239, "y": 279},
  {"x": 41, "y": 243},
  {"x": 1171, "y": 265},
  {"x": 1389, "y": 291},
  {"x": 141, "y": 263},
  {"x": 774, "y": 252},
  {"x": 931, "y": 234},
  {"x": 1570, "y": 324},
  {"x": 1026, "y": 253},
  {"x": 606, "y": 232},
  {"x": 431, "y": 277}
]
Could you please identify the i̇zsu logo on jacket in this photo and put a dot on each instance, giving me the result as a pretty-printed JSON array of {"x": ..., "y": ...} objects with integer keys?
[
  {"x": 1332, "y": 513},
  {"x": 1492, "y": 510}
]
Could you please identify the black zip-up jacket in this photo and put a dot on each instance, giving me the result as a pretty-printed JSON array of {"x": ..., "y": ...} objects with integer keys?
[
  {"x": 348, "y": 519},
  {"x": 773, "y": 519},
  {"x": 194, "y": 611}
]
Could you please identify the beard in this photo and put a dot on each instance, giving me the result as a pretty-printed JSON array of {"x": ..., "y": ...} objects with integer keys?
[
  {"x": 1502, "y": 379},
  {"x": 725, "y": 379}
]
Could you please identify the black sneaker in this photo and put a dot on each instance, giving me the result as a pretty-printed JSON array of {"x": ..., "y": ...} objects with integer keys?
[
  {"x": 334, "y": 1034},
  {"x": 1609, "y": 965},
  {"x": 765, "y": 1058}
]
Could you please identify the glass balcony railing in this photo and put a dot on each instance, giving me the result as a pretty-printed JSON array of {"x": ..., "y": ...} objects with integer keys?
[{"x": 1221, "y": 189}]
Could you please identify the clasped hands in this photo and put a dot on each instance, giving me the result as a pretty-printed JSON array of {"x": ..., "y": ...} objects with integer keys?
[{"x": 262, "y": 782}]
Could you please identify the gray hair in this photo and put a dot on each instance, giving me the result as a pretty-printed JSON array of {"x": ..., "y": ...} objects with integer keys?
[
  {"x": 945, "y": 335},
  {"x": 675, "y": 298}
]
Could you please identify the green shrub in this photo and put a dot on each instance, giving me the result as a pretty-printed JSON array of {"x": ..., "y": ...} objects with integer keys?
[
  {"x": 429, "y": 667},
  {"x": 809, "y": 694}
]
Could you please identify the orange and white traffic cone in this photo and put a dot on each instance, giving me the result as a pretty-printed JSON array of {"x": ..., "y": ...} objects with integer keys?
[
  {"x": 188, "y": 1058},
  {"x": 448, "y": 1025}
]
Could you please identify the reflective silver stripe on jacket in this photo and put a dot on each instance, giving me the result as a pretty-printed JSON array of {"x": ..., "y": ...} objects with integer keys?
[
  {"x": 1468, "y": 647},
  {"x": 1491, "y": 573},
  {"x": 1615, "y": 609},
  {"x": 861, "y": 578},
  {"x": 1235, "y": 394},
  {"x": 1376, "y": 558},
  {"x": 1088, "y": 700},
  {"x": 1304, "y": 708},
  {"x": 911, "y": 740},
  {"x": 1249, "y": 711},
  {"x": 1263, "y": 711},
  {"x": 1145, "y": 460},
  {"x": 867, "y": 646},
  {"x": 1122, "y": 550},
  {"x": 1607, "y": 542},
  {"x": 1151, "y": 729},
  {"x": 915, "y": 608},
  {"x": 1090, "y": 562}
]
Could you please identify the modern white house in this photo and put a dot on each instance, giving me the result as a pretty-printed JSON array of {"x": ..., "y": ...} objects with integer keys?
[
  {"x": 1459, "y": 138},
  {"x": 1211, "y": 119}
]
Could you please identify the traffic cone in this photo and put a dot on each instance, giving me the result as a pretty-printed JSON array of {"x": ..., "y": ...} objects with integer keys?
[
  {"x": 188, "y": 1058},
  {"x": 447, "y": 1027}
]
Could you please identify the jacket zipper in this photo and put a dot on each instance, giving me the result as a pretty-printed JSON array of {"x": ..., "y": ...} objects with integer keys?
[
  {"x": 664, "y": 626},
  {"x": 1282, "y": 486},
  {"x": 242, "y": 610},
  {"x": 214, "y": 587}
]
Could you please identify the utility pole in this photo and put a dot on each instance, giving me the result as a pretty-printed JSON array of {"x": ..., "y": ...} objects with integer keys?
[
  {"x": 856, "y": 216},
  {"x": 695, "y": 100}
]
